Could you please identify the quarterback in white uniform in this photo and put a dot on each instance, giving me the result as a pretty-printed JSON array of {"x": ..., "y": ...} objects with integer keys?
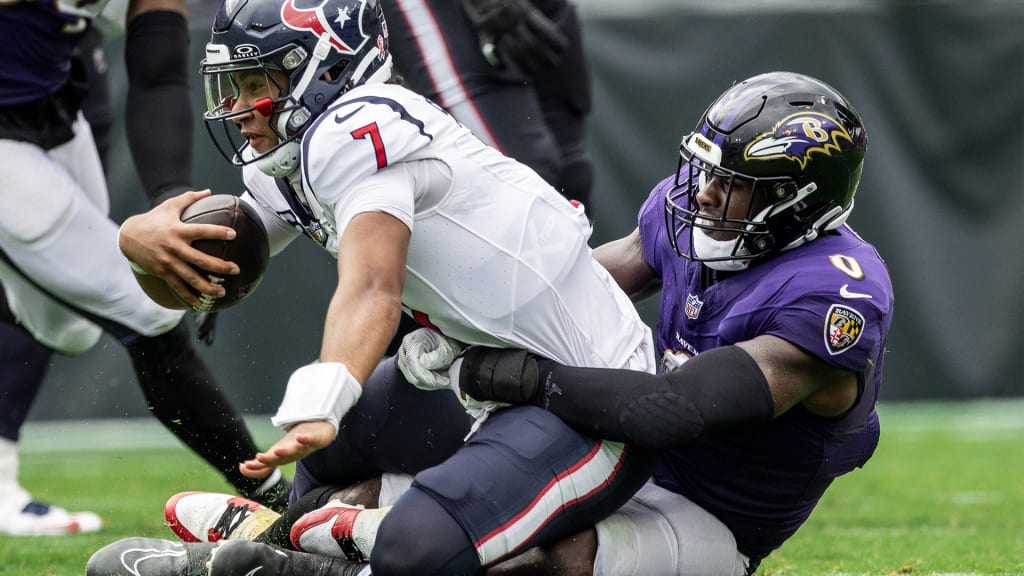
[{"x": 421, "y": 216}]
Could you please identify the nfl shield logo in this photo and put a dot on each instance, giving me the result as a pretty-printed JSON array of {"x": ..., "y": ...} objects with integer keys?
[
  {"x": 843, "y": 326},
  {"x": 693, "y": 306}
]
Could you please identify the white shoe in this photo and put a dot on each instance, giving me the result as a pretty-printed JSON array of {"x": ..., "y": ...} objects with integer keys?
[
  {"x": 38, "y": 519},
  {"x": 211, "y": 517},
  {"x": 20, "y": 515}
]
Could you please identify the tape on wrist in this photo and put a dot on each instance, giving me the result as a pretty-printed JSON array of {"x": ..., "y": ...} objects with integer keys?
[
  {"x": 135, "y": 267},
  {"x": 319, "y": 391}
]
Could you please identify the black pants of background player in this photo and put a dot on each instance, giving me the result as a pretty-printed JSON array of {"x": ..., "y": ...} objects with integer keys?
[{"x": 539, "y": 121}]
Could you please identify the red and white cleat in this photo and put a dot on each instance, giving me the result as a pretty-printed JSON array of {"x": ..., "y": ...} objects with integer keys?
[
  {"x": 211, "y": 517},
  {"x": 338, "y": 530}
]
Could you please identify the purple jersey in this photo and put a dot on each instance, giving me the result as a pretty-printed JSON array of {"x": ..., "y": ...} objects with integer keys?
[
  {"x": 831, "y": 297},
  {"x": 35, "y": 54}
]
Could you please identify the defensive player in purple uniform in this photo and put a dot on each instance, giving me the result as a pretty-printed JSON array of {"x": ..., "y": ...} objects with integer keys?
[
  {"x": 63, "y": 279},
  {"x": 512, "y": 71},
  {"x": 773, "y": 326},
  {"x": 423, "y": 216}
]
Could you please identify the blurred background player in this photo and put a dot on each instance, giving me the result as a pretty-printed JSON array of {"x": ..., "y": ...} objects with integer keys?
[
  {"x": 63, "y": 279},
  {"x": 512, "y": 71}
]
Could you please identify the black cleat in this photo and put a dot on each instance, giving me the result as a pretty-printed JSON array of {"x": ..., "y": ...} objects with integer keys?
[
  {"x": 241, "y": 558},
  {"x": 155, "y": 557},
  {"x": 148, "y": 557}
]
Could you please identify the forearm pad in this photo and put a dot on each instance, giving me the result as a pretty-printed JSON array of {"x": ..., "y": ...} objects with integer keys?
[
  {"x": 502, "y": 375},
  {"x": 715, "y": 390},
  {"x": 158, "y": 119}
]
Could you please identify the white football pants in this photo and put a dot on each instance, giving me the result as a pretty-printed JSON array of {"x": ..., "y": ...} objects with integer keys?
[{"x": 54, "y": 226}]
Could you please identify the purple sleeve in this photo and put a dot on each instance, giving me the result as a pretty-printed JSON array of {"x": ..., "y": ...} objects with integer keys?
[
  {"x": 651, "y": 221},
  {"x": 803, "y": 297},
  {"x": 843, "y": 334}
]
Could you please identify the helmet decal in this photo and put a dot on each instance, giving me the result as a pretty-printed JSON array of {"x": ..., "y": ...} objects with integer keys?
[
  {"x": 314, "y": 20},
  {"x": 243, "y": 51},
  {"x": 796, "y": 137}
]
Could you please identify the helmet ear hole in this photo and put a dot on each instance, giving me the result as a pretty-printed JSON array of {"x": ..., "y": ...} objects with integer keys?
[{"x": 334, "y": 73}]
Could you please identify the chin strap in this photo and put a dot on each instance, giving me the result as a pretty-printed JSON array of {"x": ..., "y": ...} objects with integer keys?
[{"x": 282, "y": 162}]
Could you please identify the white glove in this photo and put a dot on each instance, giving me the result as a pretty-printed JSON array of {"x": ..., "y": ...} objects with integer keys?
[{"x": 424, "y": 358}]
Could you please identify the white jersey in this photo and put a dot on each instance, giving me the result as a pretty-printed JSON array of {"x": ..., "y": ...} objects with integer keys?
[{"x": 497, "y": 257}]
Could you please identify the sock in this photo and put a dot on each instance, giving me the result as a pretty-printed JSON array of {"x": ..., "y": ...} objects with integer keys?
[
  {"x": 13, "y": 497},
  {"x": 364, "y": 529}
]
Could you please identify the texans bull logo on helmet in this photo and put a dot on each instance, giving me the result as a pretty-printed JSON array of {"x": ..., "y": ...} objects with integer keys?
[
  {"x": 798, "y": 136},
  {"x": 344, "y": 28}
]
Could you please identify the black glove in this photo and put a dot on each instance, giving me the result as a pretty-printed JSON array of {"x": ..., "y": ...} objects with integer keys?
[
  {"x": 206, "y": 326},
  {"x": 516, "y": 36}
]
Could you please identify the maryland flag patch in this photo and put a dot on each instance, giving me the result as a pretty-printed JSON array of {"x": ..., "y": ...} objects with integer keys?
[{"x": 842, "y": 328}]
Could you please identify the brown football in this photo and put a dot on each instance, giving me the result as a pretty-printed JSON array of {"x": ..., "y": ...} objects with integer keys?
[{"x": 249, "y": 249}]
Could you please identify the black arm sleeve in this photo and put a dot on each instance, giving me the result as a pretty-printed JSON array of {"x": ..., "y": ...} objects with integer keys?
[
  {"x": 159, "y": 115},
  {"x": 715, "y": 390}
]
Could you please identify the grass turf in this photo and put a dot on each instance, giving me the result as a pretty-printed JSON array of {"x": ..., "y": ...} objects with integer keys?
[{"x": 943, "y": 494}]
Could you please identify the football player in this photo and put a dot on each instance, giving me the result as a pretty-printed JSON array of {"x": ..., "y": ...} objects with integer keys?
[
  {"x": 423, "y": 217},
  {"x": 63, "y": 279}
]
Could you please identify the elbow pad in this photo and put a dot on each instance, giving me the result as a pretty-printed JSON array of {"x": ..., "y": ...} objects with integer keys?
[{"x": 718, "y": 389}]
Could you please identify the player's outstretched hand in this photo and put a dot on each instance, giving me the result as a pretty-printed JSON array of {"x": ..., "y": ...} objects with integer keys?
[
  {"x": 516, "y": 36},
  {"x": 300, "y": 441},
  {"x": 160, "y": 245}
]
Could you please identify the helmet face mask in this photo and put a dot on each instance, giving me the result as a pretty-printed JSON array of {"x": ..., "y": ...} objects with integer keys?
[
  {"x": 792, "y": 145},
  {"x": 240, "y": 89},
  {"x": 305, "y": 52}
]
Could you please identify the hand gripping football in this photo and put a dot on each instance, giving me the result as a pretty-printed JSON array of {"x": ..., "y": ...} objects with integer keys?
[{"x": 249, "y": 250}]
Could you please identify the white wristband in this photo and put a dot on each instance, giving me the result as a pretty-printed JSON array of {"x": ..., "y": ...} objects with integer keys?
[{"x": 319, "y": 391}]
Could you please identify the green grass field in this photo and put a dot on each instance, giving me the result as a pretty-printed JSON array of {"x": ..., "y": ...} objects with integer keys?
[{"x": 944, "y": 494}]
